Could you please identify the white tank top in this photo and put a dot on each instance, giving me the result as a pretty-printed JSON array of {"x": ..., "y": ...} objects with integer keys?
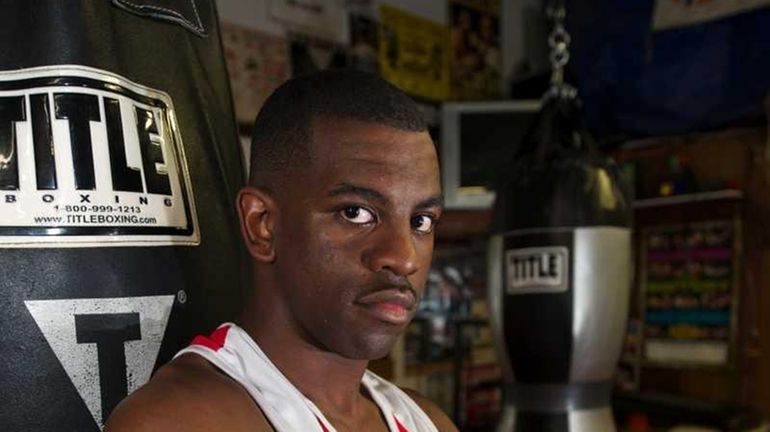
[{"x": 233, "y": 351}]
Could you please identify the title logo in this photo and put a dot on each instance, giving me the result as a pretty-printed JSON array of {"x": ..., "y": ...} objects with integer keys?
[
  {"x": 537, "y": 270},
  {"x": 88, "y": 157},
  {"x": 107, "y": 346}
]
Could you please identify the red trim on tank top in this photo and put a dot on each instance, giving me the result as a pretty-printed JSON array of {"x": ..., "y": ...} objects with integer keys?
[
  {"x": 214, "y": 341},
  {"x": 401, "y": 427},
  {"x": 322, "y": 425}
]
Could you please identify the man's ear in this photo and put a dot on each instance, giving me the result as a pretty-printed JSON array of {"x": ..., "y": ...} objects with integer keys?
[{"x": 257, "y": 211}]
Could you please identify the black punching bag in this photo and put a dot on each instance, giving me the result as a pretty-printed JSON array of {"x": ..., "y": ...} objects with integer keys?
[
  {"x": 118, "y": 168},
  {"x": 559, "y": 276}
]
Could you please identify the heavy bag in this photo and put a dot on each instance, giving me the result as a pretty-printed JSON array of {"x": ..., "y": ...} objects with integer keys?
[
  {"x": 559, "y": 276},
  {"x": 118, "y": 169}
]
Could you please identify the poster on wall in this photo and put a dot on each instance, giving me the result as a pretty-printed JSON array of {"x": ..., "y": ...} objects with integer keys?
[
  {"x": 310, "y": 54},
  {"x": 689, "y": 276},
  {"x": 680, "y": 13},
  {"x": 476, "y": 54},
  {"x": 257, "y": 64},
  {"x": 414, "y": 54},
  {"x": 326, "y": 19}
]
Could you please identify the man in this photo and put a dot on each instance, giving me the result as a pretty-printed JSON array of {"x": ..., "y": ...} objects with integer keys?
[{"x": 338, "y": 218}]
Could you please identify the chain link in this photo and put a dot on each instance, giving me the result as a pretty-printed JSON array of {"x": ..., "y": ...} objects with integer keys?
[{"x": 559, "y": 41}]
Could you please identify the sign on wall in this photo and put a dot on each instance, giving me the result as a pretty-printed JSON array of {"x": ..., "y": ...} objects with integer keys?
[
  {"x": 257, "y": 64},
  {"x": 476, "y": 53},
  {"x": 414, "y": 54}
]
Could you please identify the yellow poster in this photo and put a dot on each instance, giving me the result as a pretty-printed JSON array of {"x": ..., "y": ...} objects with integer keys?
[{"x": 414, "y": 54}]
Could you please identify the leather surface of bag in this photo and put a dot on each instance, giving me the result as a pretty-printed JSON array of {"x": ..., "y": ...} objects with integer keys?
[{"x": 119, "y": 164}]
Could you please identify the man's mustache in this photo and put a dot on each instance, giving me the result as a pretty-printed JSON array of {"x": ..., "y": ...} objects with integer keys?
[{"x": 390, "y": 282}]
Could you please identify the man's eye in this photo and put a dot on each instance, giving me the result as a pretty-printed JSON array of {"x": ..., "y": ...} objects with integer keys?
[
  {"x": 357, "y": 215},
  {"x": 423, "y": 224}
]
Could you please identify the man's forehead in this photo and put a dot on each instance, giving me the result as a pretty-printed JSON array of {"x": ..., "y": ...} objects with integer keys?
[
  {"x": 368, "y": 142},
  {"x": 392, "y": 161}
]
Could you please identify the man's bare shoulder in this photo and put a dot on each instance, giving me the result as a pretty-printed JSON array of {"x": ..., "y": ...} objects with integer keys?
[
  {"x": 188, "y": 394},
  {"x": 440, "y": 419}
]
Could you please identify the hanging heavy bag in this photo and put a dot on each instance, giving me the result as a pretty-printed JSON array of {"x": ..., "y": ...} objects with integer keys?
[
  {"x": 559, "y": 274},
  {"x": 118, "y": 166},
  {"x": 559, "y": 277}
]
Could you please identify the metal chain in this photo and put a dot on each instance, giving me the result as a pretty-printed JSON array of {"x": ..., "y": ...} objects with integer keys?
[{"x": 559, "y": 41}]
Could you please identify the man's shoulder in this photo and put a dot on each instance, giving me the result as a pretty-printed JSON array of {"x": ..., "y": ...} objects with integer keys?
[
  {"x": 188, "y": 394},
  {"x": 436, "y": 414}
]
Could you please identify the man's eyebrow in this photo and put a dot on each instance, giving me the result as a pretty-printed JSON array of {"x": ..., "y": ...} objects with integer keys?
[
  {"x": 374, "y": 195},
  {"x": 434, "y": 201},
  {"x": 362, "y": 191}
]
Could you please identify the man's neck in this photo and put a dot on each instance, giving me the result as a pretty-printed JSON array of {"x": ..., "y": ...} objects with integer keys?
[{"x": 332, "y": 382}]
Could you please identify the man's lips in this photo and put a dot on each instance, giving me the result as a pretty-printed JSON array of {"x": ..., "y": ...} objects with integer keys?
[{"x": 390, "y": 305}]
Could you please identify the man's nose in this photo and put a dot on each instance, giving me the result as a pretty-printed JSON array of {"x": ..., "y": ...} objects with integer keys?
[{"x": 393, "y": 249}]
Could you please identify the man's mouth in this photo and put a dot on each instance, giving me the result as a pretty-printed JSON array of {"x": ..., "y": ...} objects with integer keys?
[{"x": 390, "y": 305}]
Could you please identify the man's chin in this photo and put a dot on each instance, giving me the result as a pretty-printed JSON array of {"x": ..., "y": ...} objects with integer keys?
[{"x": 373, "y": 347}]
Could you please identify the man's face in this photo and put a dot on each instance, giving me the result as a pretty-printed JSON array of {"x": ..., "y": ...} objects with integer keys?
[{"x": 354, "y": 235}]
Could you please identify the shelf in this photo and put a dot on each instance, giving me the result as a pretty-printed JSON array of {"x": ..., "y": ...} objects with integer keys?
[
  {"x": 463, "y": 224},
  {"x": 727, "y": 194},
  {"x": 699, "y": 254}
]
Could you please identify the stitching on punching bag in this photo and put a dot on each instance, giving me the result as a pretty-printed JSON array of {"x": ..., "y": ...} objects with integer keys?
[{"x": 164, "y": 13}]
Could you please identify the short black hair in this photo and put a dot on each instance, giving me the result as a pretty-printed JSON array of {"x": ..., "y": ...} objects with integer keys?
[{"x": 283, "y": 128}]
